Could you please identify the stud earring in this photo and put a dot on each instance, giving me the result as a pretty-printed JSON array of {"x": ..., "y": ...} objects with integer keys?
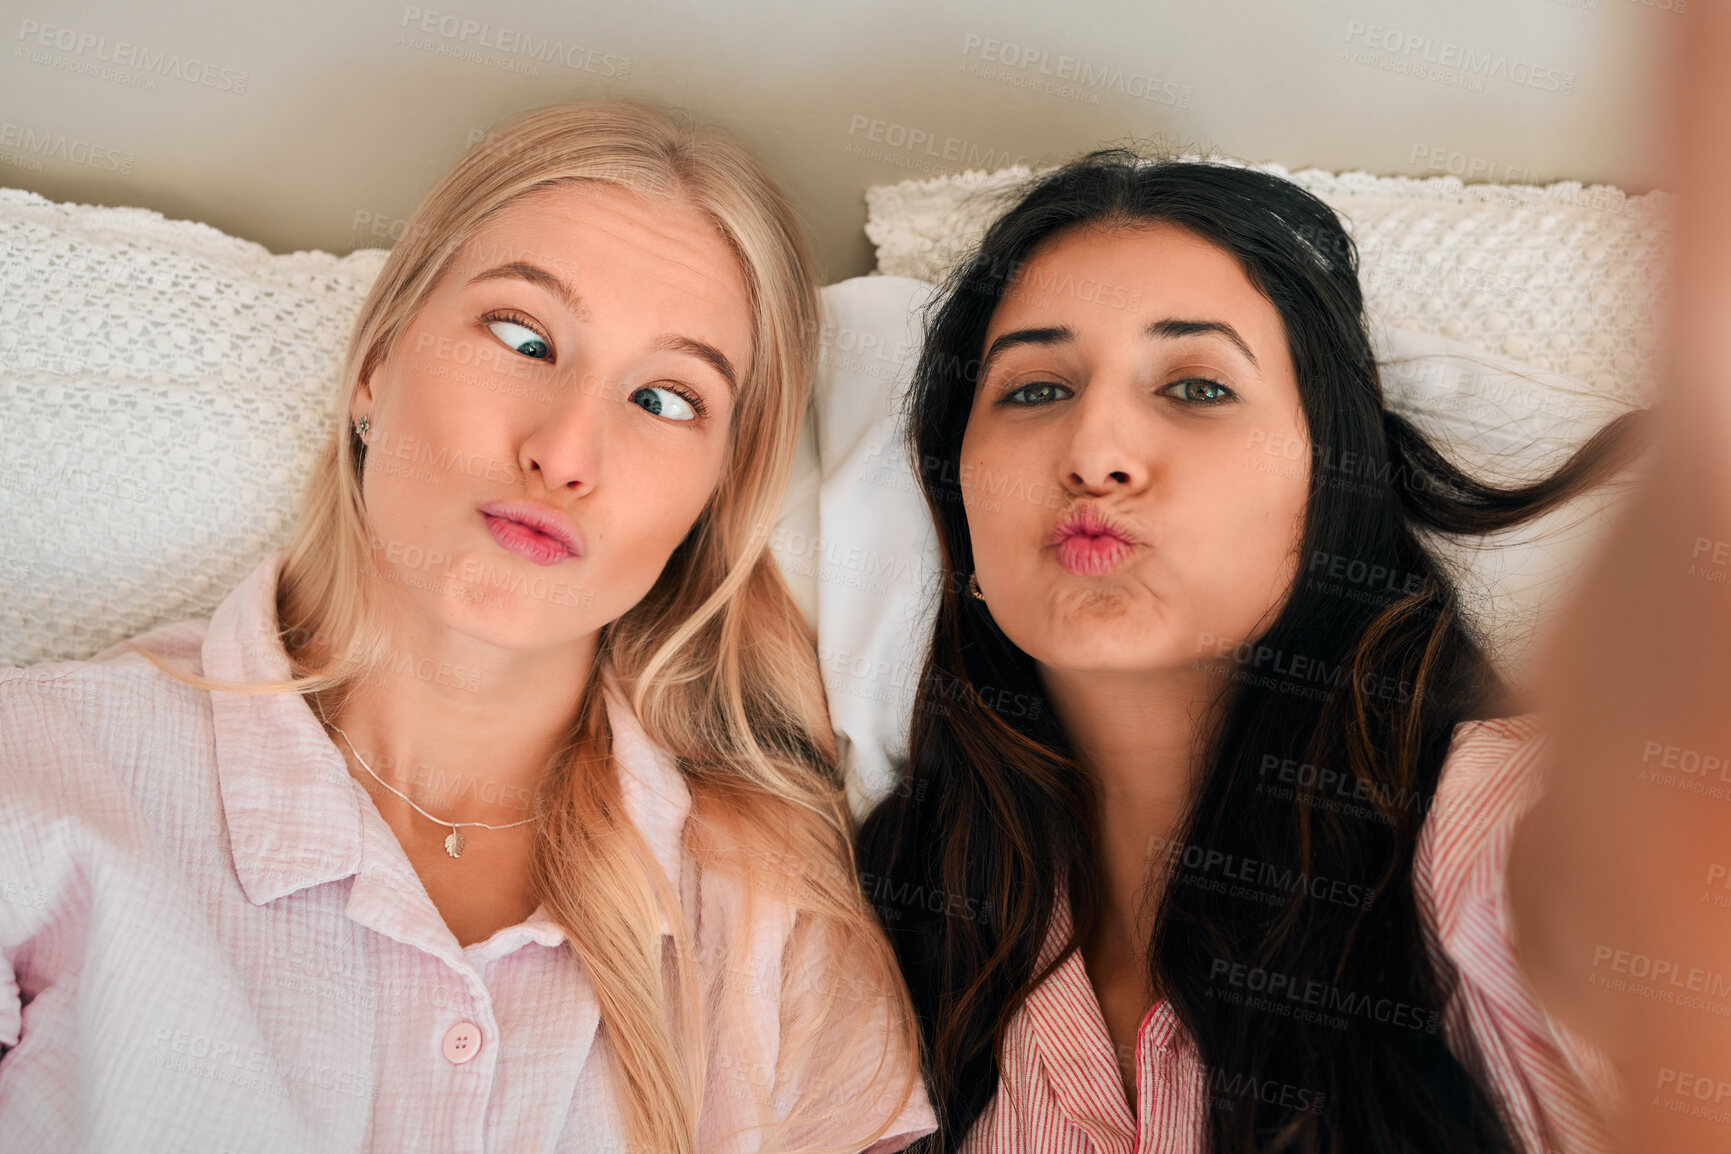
[
  {"x": 361, "y": 427},
  {"x": 974, "y": 587}
]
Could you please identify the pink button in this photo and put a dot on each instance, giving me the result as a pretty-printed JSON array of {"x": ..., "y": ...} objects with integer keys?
[{"x": 462, "y": 1042}]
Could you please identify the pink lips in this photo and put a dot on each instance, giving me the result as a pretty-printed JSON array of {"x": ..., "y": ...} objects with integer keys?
[
  {"x": 545, "y": 536},
  {"x": 1088, "y": 544}
]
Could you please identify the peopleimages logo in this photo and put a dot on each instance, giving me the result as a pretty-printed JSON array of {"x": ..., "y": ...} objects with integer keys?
[
  {"x": 100, "y": 50},
  {"x": 1453, "y": 62},
  {"x": 28, "y": 142},
  {"x": 516, "y": 46},
  {"x": 1069, "y": 76}
]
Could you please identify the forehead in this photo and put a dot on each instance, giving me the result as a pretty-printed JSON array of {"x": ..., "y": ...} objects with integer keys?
[
  {"x": 1103, "y": 277},
  {"x": 605, "y": 242}
]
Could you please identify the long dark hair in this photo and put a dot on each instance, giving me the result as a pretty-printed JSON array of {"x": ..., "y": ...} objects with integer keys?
[{"x": 993, "y": 809}]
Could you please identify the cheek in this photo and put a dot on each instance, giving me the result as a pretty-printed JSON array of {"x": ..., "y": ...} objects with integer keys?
[
  {"x": 1247, "y": 524},
  {"x": 1283, "y": 497},
  {"x": 443, "y": 406},
  {"x": 656, "y": 493},
  {"x": 440, "y": 427},
  {"x": 1007, "y": 493},
  {"x": 400, "y": 482}
]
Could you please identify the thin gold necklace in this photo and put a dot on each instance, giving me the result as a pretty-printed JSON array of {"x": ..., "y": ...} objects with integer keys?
[{"x": 454, "y": 841}]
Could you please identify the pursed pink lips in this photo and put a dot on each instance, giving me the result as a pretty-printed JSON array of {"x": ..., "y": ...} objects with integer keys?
[
  {"x": 545, "y": 536},
  {"x": 1089, "y": 544}
]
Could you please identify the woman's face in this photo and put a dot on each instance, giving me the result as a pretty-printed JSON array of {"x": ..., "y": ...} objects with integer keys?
[
  {"x": 578, "y": 361},
  {"x": 1135, "y": 467}
]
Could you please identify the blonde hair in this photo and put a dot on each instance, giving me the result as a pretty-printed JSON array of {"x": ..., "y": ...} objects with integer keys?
[{"x": 716, "y": 661}]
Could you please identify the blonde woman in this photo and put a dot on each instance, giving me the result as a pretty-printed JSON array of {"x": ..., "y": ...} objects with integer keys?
[{"x": 500, "y": 810}]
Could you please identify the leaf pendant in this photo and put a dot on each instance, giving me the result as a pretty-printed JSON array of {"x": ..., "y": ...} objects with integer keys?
[{"x": 454, "y": 843}]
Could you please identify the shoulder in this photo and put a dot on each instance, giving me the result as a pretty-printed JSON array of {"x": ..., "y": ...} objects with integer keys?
[
  {"x": 112, "y": 678},
  {"x": 1485, "y": 752},
  {"x": 178, "y": 641},
  {"x": 810, "y": 1004},
  {"x": 1550, "y": 1080},
  {"x": 70, "y": 727},
  {"x": 1491, "y": 775},
  {"x": 838, "y": 1037},
  {"x": 107, "y": 787}
]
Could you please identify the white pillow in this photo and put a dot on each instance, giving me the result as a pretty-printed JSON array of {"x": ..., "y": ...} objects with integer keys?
[
  {"x": 1506, "y": 423},
  {"x": 875, "y": 553},
  {"x": 872, "y": 552},
  {"x": 164, "y": 389}
]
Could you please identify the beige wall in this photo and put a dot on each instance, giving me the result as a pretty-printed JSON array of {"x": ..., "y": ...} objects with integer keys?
[{"x": 319, "y": 123}]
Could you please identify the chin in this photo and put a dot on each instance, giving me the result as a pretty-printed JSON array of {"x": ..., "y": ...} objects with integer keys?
[
  {"x": 1107, "y": 644},
  {"x": 485, "y": 618}
]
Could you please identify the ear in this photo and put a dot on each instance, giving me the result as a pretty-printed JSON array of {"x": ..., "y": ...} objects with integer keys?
[{"x": 362, "y": 401}]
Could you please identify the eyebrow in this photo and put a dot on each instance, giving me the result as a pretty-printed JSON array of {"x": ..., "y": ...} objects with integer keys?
[
  {"x": 703, "y": 351},
  {"x": 1172, "y": 328},
  {"x": 671, "y": 342},
  {"x": 1053, "y": 335},
  {"x": 535, "y": 275}
]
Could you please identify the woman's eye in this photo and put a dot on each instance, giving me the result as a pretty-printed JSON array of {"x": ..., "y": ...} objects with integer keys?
[
  {"x": 522, "y": 339},
  {"x": 664, "y": 403},
  {"x": 1038, "y": 393},
  {"x": 1201, "y": 391}
]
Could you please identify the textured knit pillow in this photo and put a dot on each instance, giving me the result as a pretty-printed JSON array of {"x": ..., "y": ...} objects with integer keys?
[
  {"x": 1563, "y": 278},
  {"x": 164, "y": 392},
  {"x": 164, "y": 389}
]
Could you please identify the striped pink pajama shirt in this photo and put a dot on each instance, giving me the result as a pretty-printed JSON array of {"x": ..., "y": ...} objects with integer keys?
[{"x": 1062, "y": 1094}]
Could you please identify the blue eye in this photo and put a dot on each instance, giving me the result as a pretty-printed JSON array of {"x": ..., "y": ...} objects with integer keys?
[
  {"x": 664, "y": 403},
  {"x": 521, "y": 339},
  {"x": 1038, "y": 393},
  {"x": 1204, "y": 392}
]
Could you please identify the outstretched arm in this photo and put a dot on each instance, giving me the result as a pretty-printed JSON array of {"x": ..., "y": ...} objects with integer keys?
[{"x": 1620, "y": 878}]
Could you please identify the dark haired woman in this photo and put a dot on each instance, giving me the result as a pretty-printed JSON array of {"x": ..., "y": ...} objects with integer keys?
[{"x": 1257, "y": 845}]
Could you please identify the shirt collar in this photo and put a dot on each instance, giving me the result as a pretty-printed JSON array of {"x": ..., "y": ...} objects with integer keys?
[
  {"x": 1067, "y": 1025},
  {"x": 293, "y": 810},
  {"x": 293, "y": 817},
  {"x": 1076, "y": 1049}
]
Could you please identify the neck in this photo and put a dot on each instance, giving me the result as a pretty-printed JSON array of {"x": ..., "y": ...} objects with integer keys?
[
  {"x": 465, "y": 729},
  {"x": 1138, "y": 736}
]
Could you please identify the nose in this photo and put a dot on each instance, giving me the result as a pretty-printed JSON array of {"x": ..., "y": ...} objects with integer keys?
[
  {"x": 567, "y": 435},
  {"x": 1105, "y": 453}
]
